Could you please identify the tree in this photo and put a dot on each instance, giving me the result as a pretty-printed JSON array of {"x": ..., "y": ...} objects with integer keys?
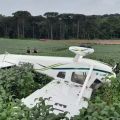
[
  {"x": 53, "y": 25},
  {"x": 79, "y": 21},
  {"x": 1, "y": 25},
  {"x": 21, "y": 17},
  {"x": 51, "y": 18}
]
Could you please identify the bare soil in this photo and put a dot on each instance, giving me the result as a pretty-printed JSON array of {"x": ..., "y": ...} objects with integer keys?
[{"x": 102, "y": 42}]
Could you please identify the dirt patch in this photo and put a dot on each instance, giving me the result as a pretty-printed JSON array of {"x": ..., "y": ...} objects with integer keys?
[{"x": 102, "y": 42}]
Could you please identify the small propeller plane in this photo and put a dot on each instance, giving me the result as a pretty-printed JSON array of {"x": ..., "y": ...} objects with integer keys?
[{"x": 74, "y": 79}]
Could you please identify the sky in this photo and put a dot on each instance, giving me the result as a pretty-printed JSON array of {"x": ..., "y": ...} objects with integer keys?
[{"x": 39, "y": 7}]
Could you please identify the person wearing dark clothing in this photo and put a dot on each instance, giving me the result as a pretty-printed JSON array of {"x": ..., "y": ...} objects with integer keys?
[
  {"x": 35, "y": 50},
  {"x": 28, "y": 50}
]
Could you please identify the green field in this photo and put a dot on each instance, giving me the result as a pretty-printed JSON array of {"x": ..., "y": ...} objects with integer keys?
[{"x": 58, "y": 48}]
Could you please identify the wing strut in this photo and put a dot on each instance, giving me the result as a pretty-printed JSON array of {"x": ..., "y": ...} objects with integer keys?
[{"x": 85, "y": 84}]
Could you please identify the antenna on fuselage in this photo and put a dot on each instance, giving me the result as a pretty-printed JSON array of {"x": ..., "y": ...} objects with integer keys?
[{"x": 80, "y": 51}]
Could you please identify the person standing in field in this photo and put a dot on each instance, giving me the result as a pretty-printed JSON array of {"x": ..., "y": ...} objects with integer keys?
[
  {"x": 35, "y": 50},
  {"x": 28, "y": 50}
]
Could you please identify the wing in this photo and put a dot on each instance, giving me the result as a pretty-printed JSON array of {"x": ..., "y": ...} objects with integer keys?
[{"x": 4, "y": 63}]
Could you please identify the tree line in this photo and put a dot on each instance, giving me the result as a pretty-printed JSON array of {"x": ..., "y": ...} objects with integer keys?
[{"x": 53, "y": 25}]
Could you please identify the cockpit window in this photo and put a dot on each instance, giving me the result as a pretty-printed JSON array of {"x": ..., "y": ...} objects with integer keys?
[
  {"x": 61, "y": 75},
  {"x": 78, "y": 77}
]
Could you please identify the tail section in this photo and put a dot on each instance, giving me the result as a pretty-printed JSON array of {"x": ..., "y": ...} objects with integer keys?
[{"x": 81, "y": 51}]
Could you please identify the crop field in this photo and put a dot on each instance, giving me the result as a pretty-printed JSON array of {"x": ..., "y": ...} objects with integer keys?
[{"x": 103, "y": 50}]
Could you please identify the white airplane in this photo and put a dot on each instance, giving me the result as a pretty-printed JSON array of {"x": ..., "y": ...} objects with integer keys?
[{"x": 74, "y": 78}]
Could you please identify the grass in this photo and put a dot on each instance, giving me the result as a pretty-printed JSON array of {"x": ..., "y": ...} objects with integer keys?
[{"x": 57, "y": 48}]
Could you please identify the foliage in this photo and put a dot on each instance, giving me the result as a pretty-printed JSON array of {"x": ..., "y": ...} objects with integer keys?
[
  {"x": 105, "y": 103},
  {"x": 15, "y": 110},
  {"x": 53, "y": 25},
  {"x": 19, "y": 82},
  {"x": 100, "y": 110},
  {"x": 110, "y": 92}
]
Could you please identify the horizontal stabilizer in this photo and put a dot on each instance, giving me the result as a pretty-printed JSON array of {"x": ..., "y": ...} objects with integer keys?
[{"x": 81, "y": 51}]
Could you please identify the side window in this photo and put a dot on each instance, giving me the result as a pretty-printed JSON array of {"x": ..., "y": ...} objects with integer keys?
[
  {"x": 78, "y": 77},
  {"x": 97, "y": 83},
  {"x": 61, "y": 75}
]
